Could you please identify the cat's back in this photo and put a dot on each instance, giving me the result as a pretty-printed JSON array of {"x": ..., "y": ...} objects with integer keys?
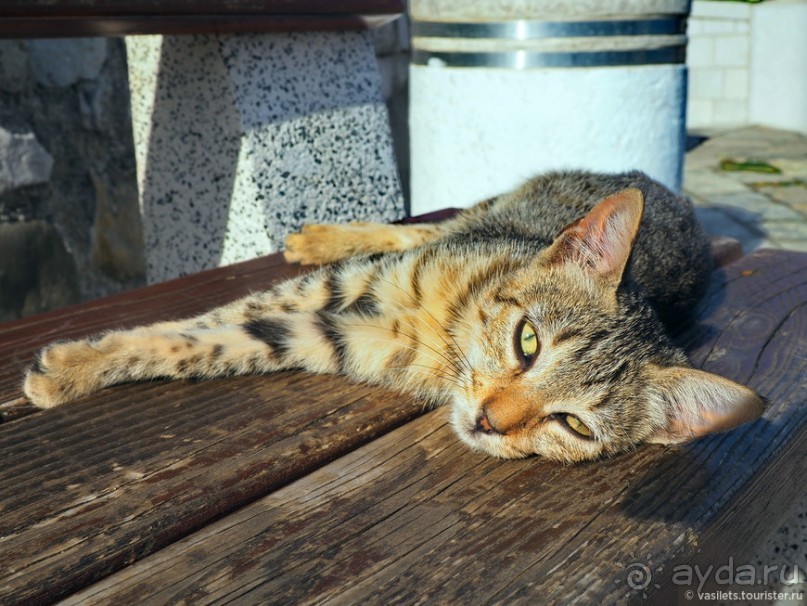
[{"x": 671, "y": 259}]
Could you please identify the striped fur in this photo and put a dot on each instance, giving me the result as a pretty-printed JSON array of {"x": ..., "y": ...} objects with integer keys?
[{"x": 437, "y": 315}]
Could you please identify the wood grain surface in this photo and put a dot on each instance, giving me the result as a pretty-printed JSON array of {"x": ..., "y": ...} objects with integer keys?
[
  {"x": 43, "y": 8},
  {"x": 70, "y": 18},
  {"x": 413, "y": 517}
]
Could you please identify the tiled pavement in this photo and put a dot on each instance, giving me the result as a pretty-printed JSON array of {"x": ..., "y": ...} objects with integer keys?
[
  {"x": 761, "y": 209},
  {"x": 758, "y": 208}
]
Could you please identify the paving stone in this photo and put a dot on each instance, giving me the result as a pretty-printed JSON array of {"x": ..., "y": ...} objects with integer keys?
[
  {"x": 719, "y": 222},
  {"x": 786, "y": 230},
  {"x": 800, "y": 244},
  {"x": 793, "y": 166},
  {"x": 793, "y": 195},
  {"x": 754, "y": 204},
  {"x": 749, "y": 178},
  {"x": 704, "y": 181}
]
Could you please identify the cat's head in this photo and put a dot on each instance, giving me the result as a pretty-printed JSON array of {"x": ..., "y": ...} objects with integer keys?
[{"x": 571, "y": 362}]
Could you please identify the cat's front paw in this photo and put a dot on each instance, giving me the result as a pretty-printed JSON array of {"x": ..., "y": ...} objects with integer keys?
[
  {"x": 60, "y": 373},
  {"x": 317, "y": 244}
]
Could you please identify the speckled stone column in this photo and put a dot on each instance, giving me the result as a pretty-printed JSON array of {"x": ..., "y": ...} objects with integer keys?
[
  {"x": 240, "y": 139},
  {"x": 501, "y": 90}
]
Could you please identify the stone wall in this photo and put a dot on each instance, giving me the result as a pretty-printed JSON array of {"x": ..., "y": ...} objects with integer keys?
[{"x": 69, "y": 220}]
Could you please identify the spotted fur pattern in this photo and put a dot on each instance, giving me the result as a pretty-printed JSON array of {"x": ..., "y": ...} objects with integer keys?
[{"x": 597, "y": 264}]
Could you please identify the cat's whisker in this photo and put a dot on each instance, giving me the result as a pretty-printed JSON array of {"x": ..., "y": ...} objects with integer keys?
[
  {"x": 441, "y": 357},
  {"x": 452, "y": 375},
  {"x": 448, "y": 375},
  {"x": 458, "y": 351},
  {"x": 428, "y": 371},
  {"x": 432, "y": 332}
]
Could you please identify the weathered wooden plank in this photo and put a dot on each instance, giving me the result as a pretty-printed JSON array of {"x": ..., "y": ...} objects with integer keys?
[
  {"x": 177, "y": 25},
  {"x": 413, "y": 517},
  {"x": 91, "y": 487},
  {"x": 46, "y": 8},
  {"x": 66, "y": 18},
  {"x": 725, "y": 250}
]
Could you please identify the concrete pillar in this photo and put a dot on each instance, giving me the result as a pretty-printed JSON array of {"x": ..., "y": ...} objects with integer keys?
[
  {"x": 241, "y": 139},
  {"x": 502, "y": 90}
]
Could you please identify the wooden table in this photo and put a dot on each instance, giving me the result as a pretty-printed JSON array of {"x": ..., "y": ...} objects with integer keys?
[{"x": 294, "y": 488}]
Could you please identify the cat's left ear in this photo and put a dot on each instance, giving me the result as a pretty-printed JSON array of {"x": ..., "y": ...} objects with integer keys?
[
  {"x": 601, "y": 241},
  {"x": 699, "y": 403}
]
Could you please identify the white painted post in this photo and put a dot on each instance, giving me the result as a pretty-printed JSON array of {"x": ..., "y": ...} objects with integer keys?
[{"x": 501, "y": 91}]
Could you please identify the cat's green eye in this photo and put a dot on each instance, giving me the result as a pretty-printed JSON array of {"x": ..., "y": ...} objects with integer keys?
[
  {"x": 577, "y": 425},
  {"x": 527, "y": 341}
]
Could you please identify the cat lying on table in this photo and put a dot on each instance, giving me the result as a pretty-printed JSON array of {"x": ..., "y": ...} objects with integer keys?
[{"x": 540, "y": 316}]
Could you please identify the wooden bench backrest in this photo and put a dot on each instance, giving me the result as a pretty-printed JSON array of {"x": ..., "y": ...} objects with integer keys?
[{"x": 70, "y": 18}]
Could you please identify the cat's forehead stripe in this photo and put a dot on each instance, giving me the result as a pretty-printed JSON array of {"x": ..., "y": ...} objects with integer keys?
[{"x": 566, "y": 333}]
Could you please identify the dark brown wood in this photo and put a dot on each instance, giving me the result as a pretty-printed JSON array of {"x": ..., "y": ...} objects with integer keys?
[
  {"x": 51, "y": 8},
  {"x": 725, "y": 250},
  {"x": 93, "y": 486},
  {"x": 68, "y": 18},
  {"x": 111, "y": 27},
  {"x": 414, "y": 516}
]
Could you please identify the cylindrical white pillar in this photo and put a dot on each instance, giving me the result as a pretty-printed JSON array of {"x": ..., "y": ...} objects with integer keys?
[{"x": 501, "y": 91}]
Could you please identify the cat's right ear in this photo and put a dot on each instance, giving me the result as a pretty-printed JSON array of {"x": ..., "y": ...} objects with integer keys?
[{"x": 601, "y": 241}]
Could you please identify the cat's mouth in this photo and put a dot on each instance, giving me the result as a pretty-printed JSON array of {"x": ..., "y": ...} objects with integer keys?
[{"x": 469, "y": 426}]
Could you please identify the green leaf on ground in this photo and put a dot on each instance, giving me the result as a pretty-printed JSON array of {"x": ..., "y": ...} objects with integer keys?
[{"x": 748, "y": 166}]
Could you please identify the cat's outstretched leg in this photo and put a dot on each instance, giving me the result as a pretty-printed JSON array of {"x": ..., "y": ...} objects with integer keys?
[
  {"x": 326, "y": 243},
  {"x": 255, "y": 334},
  {"x": 64, "y": 371}
]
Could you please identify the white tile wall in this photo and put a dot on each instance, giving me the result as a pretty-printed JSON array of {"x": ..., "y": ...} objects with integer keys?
[
  {"x": 736, "y": 81},
  {"x": 731, "y": 51},
  {"x": 730, "y": 112},
  {"x": 721, "y": 10},
  {"x": 700, "y": 50},
  {"x": 708, "y": 82},
  {"x": 718, "y": 57},
  {"x": 747, "y": 64}
]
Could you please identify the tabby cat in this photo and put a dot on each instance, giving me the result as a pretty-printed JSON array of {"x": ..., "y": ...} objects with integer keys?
[{"x": 542, "y": 338}]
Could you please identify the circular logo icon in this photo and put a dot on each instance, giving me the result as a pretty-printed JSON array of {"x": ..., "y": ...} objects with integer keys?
[{"x": 638, "y": 576}]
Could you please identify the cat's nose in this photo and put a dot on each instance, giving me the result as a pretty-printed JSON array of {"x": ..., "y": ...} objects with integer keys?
[{"x": 483, "y": 425}]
